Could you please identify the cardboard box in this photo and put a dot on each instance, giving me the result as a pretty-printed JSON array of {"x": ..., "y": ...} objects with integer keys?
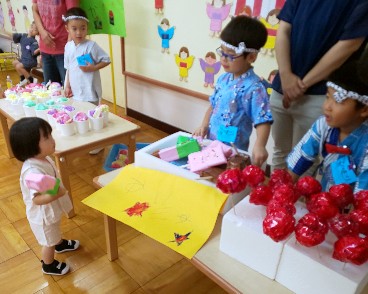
[{"x": 144, "y": 158}]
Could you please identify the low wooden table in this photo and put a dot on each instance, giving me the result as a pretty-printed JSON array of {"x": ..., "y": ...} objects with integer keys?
[
  {"x": 119, "y": 130},
  {"x": 231, "y": 275}
]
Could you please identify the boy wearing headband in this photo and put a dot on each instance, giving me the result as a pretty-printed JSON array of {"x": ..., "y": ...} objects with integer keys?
[
  {"x": 240, "y": 101},
  {"x": 82, "y": 59},
  {"x": 340, "y": 137}
]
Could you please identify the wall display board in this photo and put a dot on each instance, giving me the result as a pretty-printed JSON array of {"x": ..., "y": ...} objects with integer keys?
[{"x": 173, "y": 42}]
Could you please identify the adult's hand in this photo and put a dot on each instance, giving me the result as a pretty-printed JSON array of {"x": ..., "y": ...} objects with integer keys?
[{"x": 48, "y": 39}]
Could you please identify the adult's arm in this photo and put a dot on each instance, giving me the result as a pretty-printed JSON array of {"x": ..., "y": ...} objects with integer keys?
[
  {"x": 332, "y": 60},
  {"x": 46, "y": 37}
]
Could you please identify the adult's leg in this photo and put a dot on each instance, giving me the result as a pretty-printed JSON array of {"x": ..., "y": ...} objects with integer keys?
[
  {"x": 59, "y": 59},
  {"x": 281, "y": 130},
  {"x": 50, "y": 69}
]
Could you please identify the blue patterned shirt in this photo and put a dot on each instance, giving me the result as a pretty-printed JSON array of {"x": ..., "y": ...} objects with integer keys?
[
  {"x": 241, "y": 102},
  {"x": 312, "y": 145}
]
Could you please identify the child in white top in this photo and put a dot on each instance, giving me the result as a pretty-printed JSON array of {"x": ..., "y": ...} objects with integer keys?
[
  {"x": 82, "y": 80},
  {"x": 32, "y": 143}
]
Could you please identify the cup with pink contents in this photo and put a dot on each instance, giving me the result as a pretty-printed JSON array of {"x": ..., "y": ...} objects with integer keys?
[{"x": 82, "y": 122}]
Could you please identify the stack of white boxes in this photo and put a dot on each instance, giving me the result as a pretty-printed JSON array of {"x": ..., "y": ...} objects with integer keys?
[{"x": 300, "y": 269}]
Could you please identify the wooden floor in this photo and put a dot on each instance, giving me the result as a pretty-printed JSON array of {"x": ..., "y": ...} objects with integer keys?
[{"x": 144, "y": 265}]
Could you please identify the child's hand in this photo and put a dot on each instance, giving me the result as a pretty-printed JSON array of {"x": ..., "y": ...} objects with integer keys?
[
  {"x": 259, "y": 155},
  {"x": 68, "y": 91},
  {"x": 88, "y": 68},
  {"x": 201, "y": 131}
]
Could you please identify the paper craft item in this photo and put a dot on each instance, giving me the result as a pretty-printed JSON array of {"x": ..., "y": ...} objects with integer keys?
[
  {"x": 44, "y": 184},
  {"x": 227, "y": 150},
  {"x": 184, "y": 147},
  {"x": 205, "y": 159},
  {"x": 177, "y": 212},
  {"x": 83, "y": 60}
]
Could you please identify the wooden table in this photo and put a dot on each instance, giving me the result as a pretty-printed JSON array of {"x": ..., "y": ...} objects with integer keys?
[
  {"x": 228, "y": 273},
  {"x": 118, "y": 130}
]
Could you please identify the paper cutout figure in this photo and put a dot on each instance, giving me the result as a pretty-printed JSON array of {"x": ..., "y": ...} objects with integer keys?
[
  {"x": 2, "y": 24},
  {"x": 179, "y": 239},
  {"x": 159, "y": 6},
  {"x": 166, "y": 33},
  {"x": 184, "y": 61},
  {"x": 111, "y": 17},
  {"x": 271, "y": 23},
  {"x": 217, "y": 11},
  {"x": 239, "y": 8},
  {"x": 11, "y": 15},
  {"x": 210, "y": 68},
  {"x": 170, "y": 198},
  {"x": 97, "y": 23},
  {"x": 137, "y": 209},
  {"x": 27, "y": 22}
]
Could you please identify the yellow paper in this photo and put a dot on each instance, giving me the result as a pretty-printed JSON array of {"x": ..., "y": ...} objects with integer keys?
[{"x": 175, "y": 211}]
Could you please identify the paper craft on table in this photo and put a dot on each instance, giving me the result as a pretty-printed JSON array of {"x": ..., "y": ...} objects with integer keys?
[{"x": 175, "y": 211}]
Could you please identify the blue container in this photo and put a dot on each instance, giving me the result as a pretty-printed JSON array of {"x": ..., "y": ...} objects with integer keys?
[{"x": 118, "y": 156}]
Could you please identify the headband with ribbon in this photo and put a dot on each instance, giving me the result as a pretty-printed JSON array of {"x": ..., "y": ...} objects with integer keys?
[
  {"x": 240, "y": 49},
  {"x": 341, "y": 94}
]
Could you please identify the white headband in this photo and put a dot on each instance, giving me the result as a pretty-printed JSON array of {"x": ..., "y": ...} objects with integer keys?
[
  {"x": 341, "y": 94},
  {"x": 70, "y": 17},
  {"x": 240, "y": 49}
]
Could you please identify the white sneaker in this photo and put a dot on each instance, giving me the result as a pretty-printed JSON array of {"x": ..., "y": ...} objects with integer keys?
[
  {"x": 23, "y": 83},
  {"x": 96, "y": 151}
]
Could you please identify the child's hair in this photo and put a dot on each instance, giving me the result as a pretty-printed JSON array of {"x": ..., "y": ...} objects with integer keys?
[
  {"x": 245, "y": 29},
  {"x": 211, "y": 54},
  {"x": 25, "y": 135},
  {"x": 353, "y": 76},
  {"x": 75, "y": 13},
  {"x": 184, "y": 49},
  {"x": 165, "y": 21}
]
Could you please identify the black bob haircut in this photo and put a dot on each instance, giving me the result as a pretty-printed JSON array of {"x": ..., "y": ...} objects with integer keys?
[
  {"x": 25, "y": 135},
  {"x": 245, "y": 29}
]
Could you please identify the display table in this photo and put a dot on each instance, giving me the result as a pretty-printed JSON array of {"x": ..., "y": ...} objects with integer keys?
[
  {"x": 119, "y": 130},
  {"x": 230, "y": 274}
]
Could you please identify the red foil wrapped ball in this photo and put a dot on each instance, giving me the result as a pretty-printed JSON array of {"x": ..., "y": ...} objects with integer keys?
[
  {"x": 278, "y": 225},
  {"x": 280, "y": 177},
  {"x": 310, "y": 230},
  {"x": 360, "y": 216},
  {"x": 361, "y": 200},
  {"x": 343, "y": 225},
  {"x": 260, "y": 195},
  {"x": 342, "y": 194},
  {"x": 322, "y": 205},
  {"x": 351, "y": 249},
  {"x": 274, "y": 205},
  {"x": 253, "y": 175},
  {"x": 285, "y": 193},
  {"x": 306, "y": 186},
  {"x": 231, "y": 181}
]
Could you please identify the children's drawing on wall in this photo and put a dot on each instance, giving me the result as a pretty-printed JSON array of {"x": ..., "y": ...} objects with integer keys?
[
  {"x": 97, "y": 22},
  {"x": 268, "y": 83},
  {"x": 159, "y": 6},
  {"x": 166, "y": 33},
  {"x": 217, "y": 11},
  {"x": 240, "y": 8},
  {"x": 184, "y": 61},
  {"x": 255, "y": 8},
  {"x": 27, "y": 22},
  {"x": 11, "y": 15},
  {"x": 111, "y": 17},
  {"x": 210, "y": 68},
  {"x": 2, "y": 24},
  {"x": 271, "y": 23}
]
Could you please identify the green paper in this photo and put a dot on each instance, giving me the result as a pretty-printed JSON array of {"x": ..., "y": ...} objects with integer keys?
[
  {"x": 105, "y": 17},
  {"x": 54, "y": 190},
  {"x": 184, "y": 149}
]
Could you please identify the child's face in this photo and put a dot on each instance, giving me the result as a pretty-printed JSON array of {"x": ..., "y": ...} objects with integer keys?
[
  {"x": 33, "y": 30},
  {"x": 344, "y": 115},
  {"x": 232, "y": 62},
  {"x": 77, "y": 29},
  {"x": 47, "y": 146}
]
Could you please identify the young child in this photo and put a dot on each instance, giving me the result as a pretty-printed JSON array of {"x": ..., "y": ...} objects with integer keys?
[
  {"x": 30, "y": 51},
  {"x": 32, "y": 143},
  {"x": 83, "y": 82},
  {"x": 340, "y": 137},
  {"x": 240, "y": 100}
]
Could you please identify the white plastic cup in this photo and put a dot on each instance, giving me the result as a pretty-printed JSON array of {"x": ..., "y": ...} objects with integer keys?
[
  {"x": 29, "y": 111},
  {"x": 51, "y": 120},
  {"x": 82, "y": 126},
  {"x": 105, "y": 115},
  {"x": 66, "y": 129},
  {"x": 42, "y": 114},
  {"x": 97, "y": 123}
]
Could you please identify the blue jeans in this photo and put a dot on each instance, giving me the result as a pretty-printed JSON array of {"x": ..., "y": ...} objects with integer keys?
[{"x": 53, "y": 67}]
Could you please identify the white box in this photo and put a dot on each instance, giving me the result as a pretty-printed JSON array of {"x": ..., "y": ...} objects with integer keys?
[
  {"x": 243, "y": 239},
  {"x": 313, "y": 270},
  {"x": 144, "y": 158}
]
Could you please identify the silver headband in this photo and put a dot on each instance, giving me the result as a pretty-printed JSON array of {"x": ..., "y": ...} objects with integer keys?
[
  {"x": 240, "y": 49},
  {"x": 341, "y": 94},
  {"x": 70, "y": 17}
]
